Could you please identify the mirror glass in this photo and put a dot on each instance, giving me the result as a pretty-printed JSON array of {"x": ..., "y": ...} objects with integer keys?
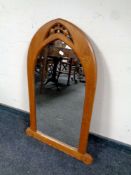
[{"x": 60, "y": 92}]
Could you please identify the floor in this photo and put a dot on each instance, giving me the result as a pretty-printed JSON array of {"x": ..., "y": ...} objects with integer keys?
[{"x": 21, "y": 155}]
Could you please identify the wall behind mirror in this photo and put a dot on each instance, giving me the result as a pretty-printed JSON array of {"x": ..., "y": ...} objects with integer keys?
[{"x": 60, "y": 91}]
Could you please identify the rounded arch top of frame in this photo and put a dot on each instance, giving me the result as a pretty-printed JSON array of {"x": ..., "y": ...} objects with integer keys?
[
  {"x": 62, "y": 27},
  {"x": 71, "y": 35}
]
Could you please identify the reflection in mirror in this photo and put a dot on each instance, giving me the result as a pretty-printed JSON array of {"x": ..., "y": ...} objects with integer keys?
[{"x": 60, "y": 91}]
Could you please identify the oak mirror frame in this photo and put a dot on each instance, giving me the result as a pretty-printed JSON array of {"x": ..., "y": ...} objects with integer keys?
[{"x": 76, "y": 39}]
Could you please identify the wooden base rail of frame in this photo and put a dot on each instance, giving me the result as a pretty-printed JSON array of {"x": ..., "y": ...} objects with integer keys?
[{"x": 72, "y": 151}]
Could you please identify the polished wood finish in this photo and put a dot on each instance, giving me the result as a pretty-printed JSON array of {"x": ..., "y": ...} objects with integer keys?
[
  {"x": 76, "y": 39},
  {"x": 86, "y": 158}
]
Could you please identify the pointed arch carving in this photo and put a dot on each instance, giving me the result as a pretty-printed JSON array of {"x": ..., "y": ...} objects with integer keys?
[
  {"x": 60, "y": 29},
  {"x": 78, "y": 41}
]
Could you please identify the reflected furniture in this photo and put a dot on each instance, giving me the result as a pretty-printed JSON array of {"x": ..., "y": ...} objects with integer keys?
[{"x": 51, "y": 62}]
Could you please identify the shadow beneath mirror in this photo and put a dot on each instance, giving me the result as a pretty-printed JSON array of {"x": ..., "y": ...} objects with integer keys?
[{"x": 101, "y": 117}]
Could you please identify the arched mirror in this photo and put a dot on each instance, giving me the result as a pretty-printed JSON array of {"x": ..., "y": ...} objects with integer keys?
[
  {"x": 62, "y": 81},
  {"x": 60, "y": 92}
]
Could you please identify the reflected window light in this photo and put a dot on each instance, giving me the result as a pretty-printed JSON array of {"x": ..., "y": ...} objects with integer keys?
[
  {"x": 61, "y": 52},
  {"x": 67, "y": 47}
]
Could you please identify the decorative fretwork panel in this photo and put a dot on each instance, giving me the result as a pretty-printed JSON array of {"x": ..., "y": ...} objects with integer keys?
[{"x": 59, "y": 28}]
